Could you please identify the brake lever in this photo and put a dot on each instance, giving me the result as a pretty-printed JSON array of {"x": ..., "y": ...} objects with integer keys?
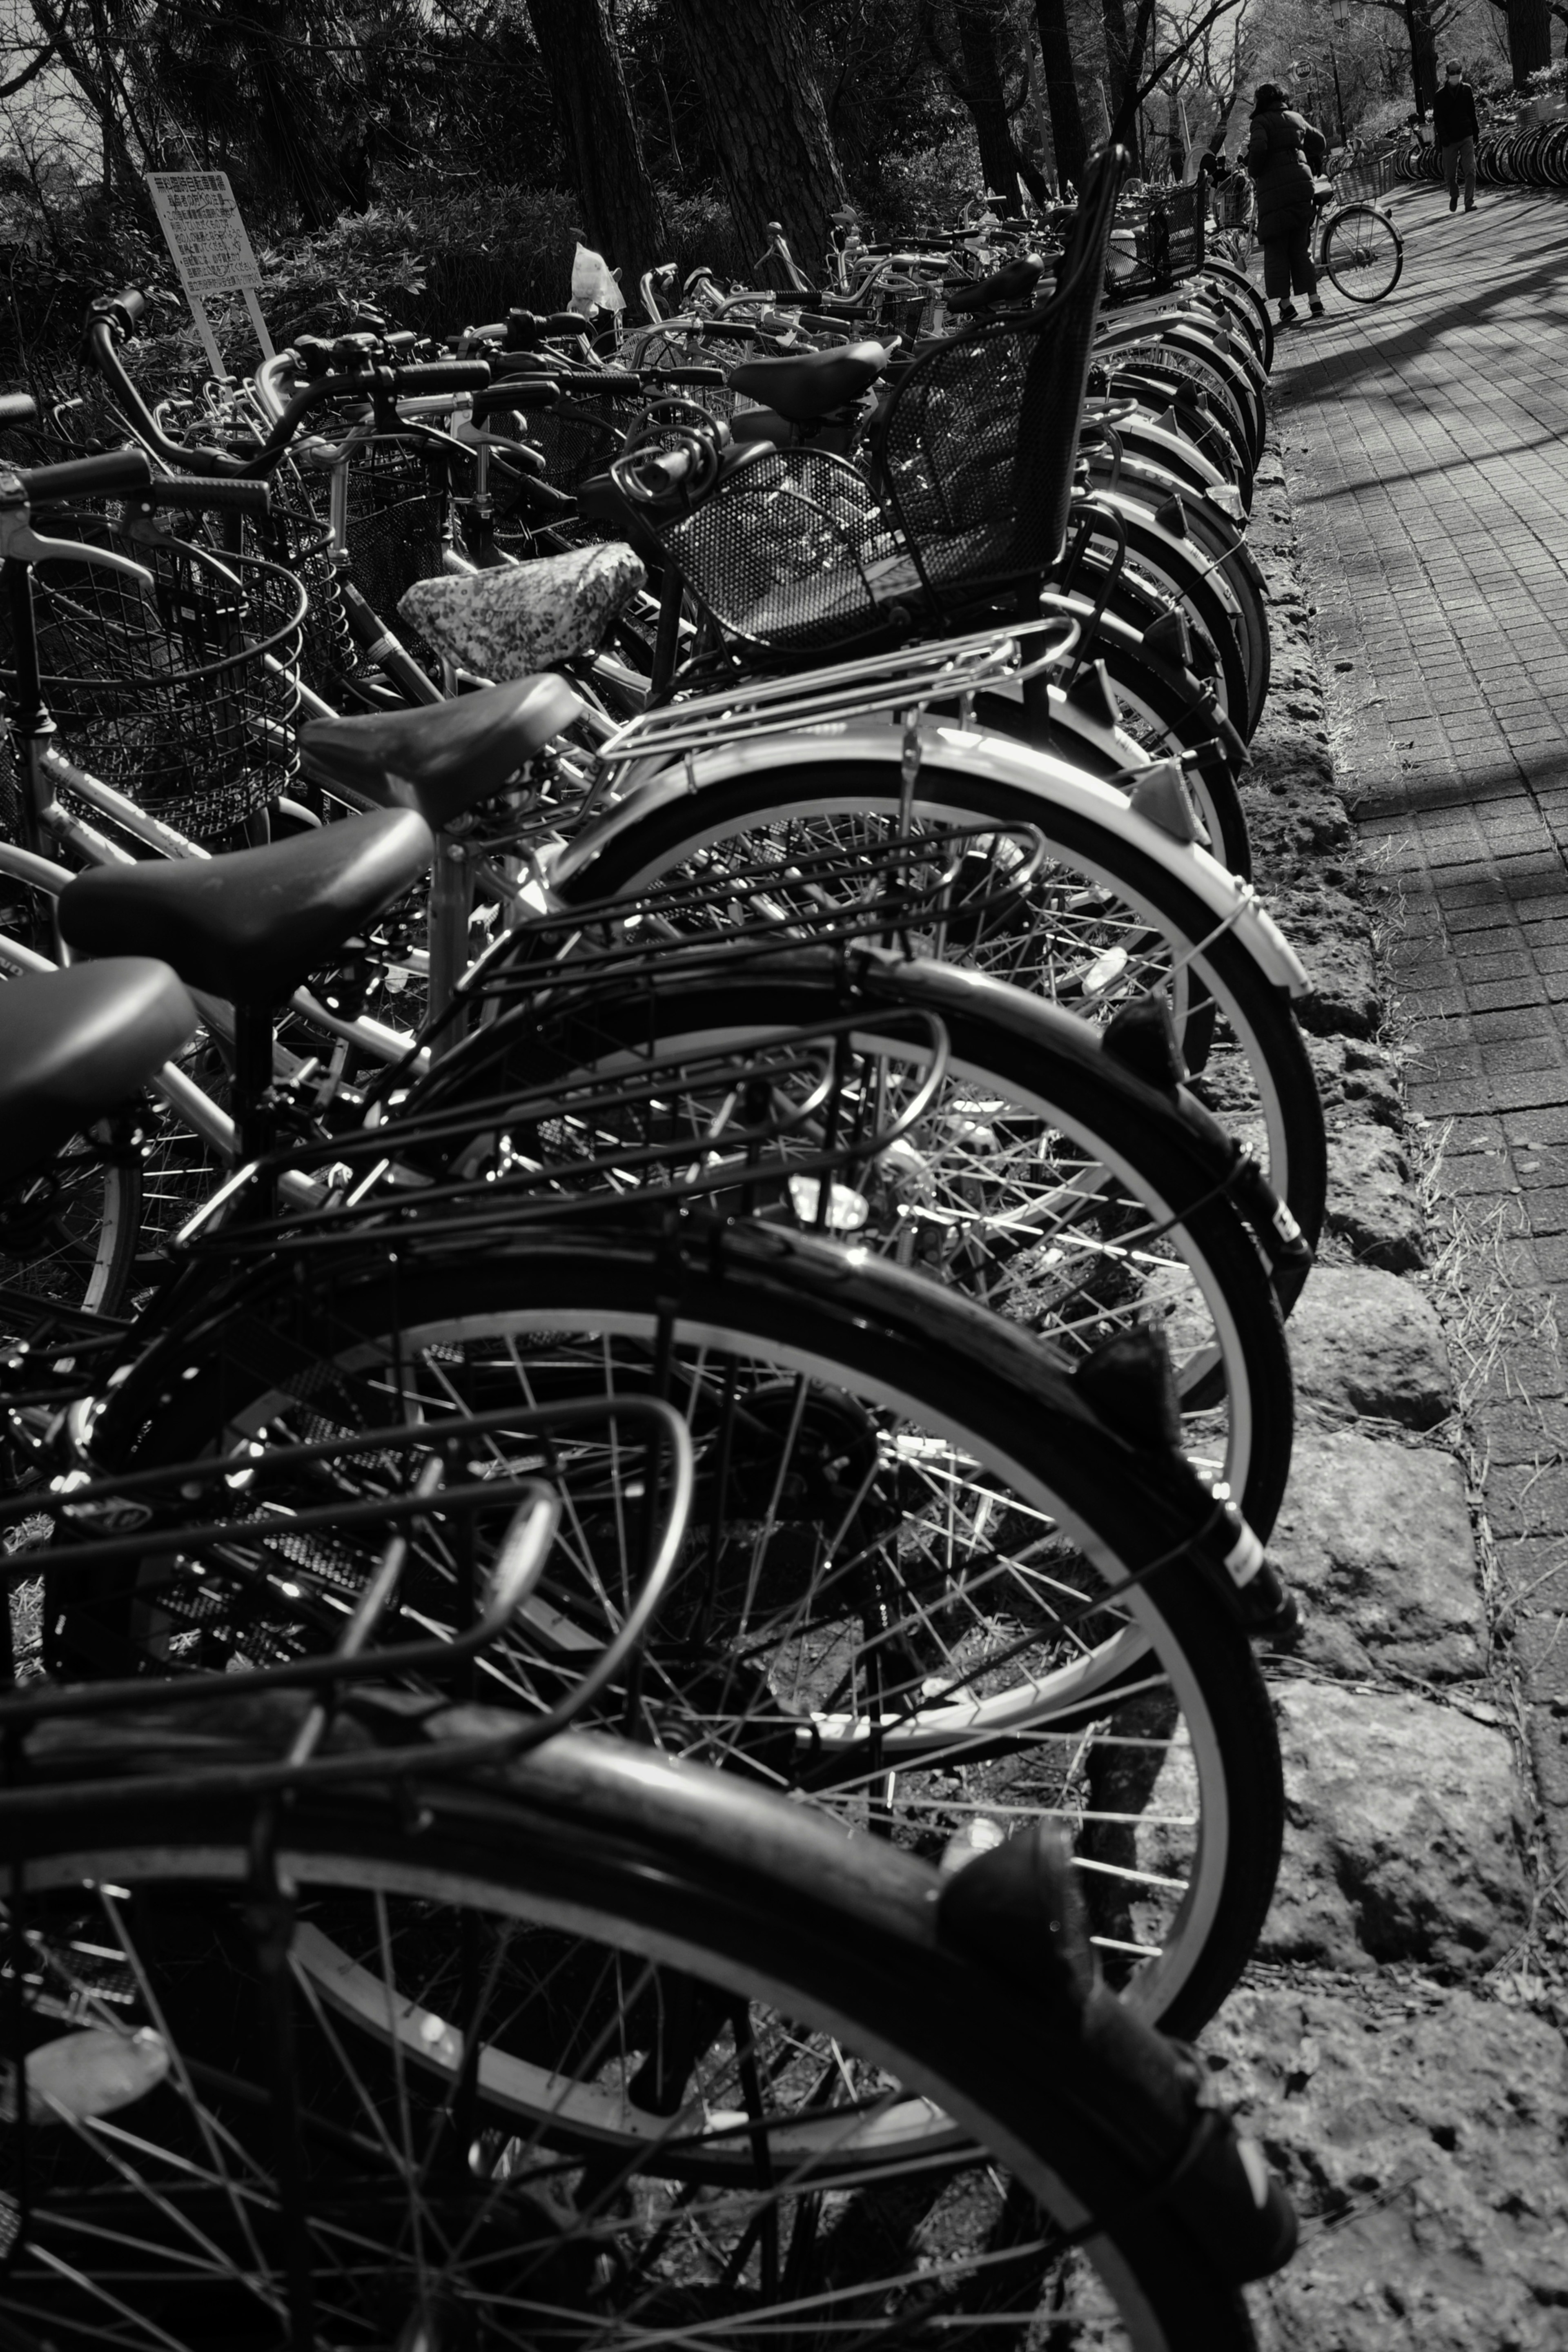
[{"x": 20, "y": 544}]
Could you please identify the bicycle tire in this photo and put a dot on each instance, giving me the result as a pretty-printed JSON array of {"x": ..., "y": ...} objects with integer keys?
[
  {"x": 1162, "y": 710},
  {"x": 624, "y": 1926},
  {"x": 1363, "y": 253},
  {"x": 1276, "y": 1094},
  {"x": 1037, "y": 1091},
  {"x": 877, "y": 1411},
  {"x": 1239, "y": 289},
  {"x": 1207, "y": 583}
]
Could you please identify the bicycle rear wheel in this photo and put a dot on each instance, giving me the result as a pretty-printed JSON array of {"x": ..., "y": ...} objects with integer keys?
[
  {"x": 895, "y": 1595},
  {"x": 1109, "y": 926},
  {"x": 727, "y": 2087},
  {"x": 1363, "y": 253}
]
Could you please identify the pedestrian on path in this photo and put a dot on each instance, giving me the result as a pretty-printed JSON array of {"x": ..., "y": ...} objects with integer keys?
[
  {"x": 1456, "y": 129},
  {"x": 1284, "y": 155}
]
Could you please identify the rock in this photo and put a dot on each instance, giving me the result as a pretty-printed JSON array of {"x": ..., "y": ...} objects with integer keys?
[
  {"x": 1364, "y": 1341},
  {"x": 1377, "y": 1537},
  {"x": 1352, "y": 1073},
  {"x": 1403, "y": 1833},
  {"x": 1425, "y": 2154},
  {"x": 1371, "y": 1204},
  {"x": 1330, "y": 932}
]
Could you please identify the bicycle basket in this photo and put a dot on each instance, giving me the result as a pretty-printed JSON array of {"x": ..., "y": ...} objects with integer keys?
[
  {"x": 979, "y": 440},
  {"x": 183, "y": 698},
  {"x": 397, "y": 518},
  {"x": 1167, "y": 245},
  {"x": 792, "y": 551}
]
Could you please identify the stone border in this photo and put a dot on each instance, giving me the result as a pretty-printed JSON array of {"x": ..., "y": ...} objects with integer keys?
[{"x": 1385, "y": 2044}]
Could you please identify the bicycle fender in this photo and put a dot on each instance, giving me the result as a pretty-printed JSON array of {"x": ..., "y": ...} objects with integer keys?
[{"x": 949, "y": 751}]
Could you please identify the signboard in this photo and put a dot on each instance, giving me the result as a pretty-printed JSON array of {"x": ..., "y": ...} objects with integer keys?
[{"x": 212, "y": 252}]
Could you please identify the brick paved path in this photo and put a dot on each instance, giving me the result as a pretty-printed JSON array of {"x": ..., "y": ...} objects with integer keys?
[{"x": 1426, "y": 438}]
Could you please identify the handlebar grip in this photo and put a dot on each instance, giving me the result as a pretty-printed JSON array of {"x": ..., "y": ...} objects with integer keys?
[
  {"x": 442, "y": 376},
  {"x": 88, "y": 478},
  {"x": 516, "y": 392},
  {"x": 210, "y": 496},
  {"x": 618, "y": 381},
  {"x": 18, "y": 408},
  {"x": 133, "y": 302}
]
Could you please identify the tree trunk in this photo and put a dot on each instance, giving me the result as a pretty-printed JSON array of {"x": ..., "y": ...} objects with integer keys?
[
  {"x": 1529, "y": 39},
  {"x": 1062, "y": 92},
  {"x": 577, "y": 47},
  {"x": 983, "y": 94},
  {"x": 1423, "y": 55},
  {"x": 1113, "y": 14},
  {"x": 752, "y": 60}
]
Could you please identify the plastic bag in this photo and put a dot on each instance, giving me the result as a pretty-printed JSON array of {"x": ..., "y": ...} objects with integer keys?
[{"x": 594, "y": 286}]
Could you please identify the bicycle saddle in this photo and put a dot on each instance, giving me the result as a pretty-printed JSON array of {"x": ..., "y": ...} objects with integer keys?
[
  {"x": 441, "y": 760},
  {"x": 252, "y": 925},
  {"x": 525, "y": 617},
  {"x": 809, "y": 384},
  {"x": 1007, "y": 288},
  {"x": 73, "y": 1044}
]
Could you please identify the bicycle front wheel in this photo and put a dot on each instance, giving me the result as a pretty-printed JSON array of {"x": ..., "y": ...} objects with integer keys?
[{"x": 1363, "y": 253}]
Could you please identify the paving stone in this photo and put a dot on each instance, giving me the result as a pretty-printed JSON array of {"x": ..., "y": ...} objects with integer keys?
[
  {"x": 1424, "y": 2152},
  {"x": 1376, "y": 1538},
  {"x": 1364, "y": 1341},
  {"x": 1404, "y": 1832}
]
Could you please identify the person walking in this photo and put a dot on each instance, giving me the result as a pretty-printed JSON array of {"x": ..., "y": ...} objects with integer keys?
[
  {"x": 1284, "y": 155},
  {"x": 1456, "y": 129}
]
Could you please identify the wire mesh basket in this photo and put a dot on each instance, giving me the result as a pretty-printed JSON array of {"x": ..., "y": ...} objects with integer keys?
[
  {"x": 793, "y": 553},
  {"x": 1167, "y": 244},
  {"x": 973, "y": 461},
  {"x": 182, "y": 697},
  {"x": 397, "y": 502}
]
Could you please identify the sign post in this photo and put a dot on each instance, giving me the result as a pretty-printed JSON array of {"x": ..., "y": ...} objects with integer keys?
[{"x": 201, "y": 222}]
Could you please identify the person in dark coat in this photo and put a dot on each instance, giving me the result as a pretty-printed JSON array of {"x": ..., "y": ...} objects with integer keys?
[
  {"x": 1454, "y": 127},
  {"x": 1284, "y": 155}
]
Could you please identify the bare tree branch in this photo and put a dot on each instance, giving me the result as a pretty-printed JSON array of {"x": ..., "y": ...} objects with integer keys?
[{"x": 29, "y": 73}]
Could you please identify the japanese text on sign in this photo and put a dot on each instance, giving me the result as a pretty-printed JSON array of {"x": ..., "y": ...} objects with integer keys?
[{"x": 206, "y": 236}]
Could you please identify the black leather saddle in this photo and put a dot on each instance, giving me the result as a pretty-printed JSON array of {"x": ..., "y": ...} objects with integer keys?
[
  {"x": 442, "y": 759},
  {"x": 73, "y": 1044},
  {"x": 807, "y": 385},
  {"x": 252, "y": 925},
  {"x": 1007, "y": 288}
]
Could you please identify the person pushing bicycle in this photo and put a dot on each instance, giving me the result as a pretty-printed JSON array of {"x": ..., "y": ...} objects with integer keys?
[{"x": 1285, "y": 153}]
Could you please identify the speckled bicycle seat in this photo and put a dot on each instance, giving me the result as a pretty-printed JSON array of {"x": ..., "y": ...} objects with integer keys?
[{"x": 512, "y": 621}]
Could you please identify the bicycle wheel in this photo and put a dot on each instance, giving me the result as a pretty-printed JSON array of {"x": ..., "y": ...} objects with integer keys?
[
  {"x": 1159, "y": 710},
  {"x": 1110, "y": 925},
  {"x": 894, "y": 1600},
  {"x": 1042, "y": 1181},
  {"x": 1236, "y": 291},
  {"x": 1363, "y": 253},
  {"x": 727, "y": 2087},
  {"x": 68, "y": 1236}
]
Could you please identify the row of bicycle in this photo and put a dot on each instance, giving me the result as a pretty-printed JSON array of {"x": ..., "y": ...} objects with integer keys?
[
  {"x": 672, "y": 1193},
  {"x": 1535, "y": 158}
]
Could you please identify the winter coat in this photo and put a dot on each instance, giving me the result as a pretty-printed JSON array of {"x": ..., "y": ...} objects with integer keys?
[
  {"x": 1454, "y": 114},
  {"x": 1282, "y": 155}
]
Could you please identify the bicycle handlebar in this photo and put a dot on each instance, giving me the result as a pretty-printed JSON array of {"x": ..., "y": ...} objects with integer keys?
[
  {"x": 203, "y": 494},
  {"x": 87, "y": 477},
  {"x": 514, "y": 392},
  {"x": 441, "y": 376},
  {"x": 18, "y": 408}
]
